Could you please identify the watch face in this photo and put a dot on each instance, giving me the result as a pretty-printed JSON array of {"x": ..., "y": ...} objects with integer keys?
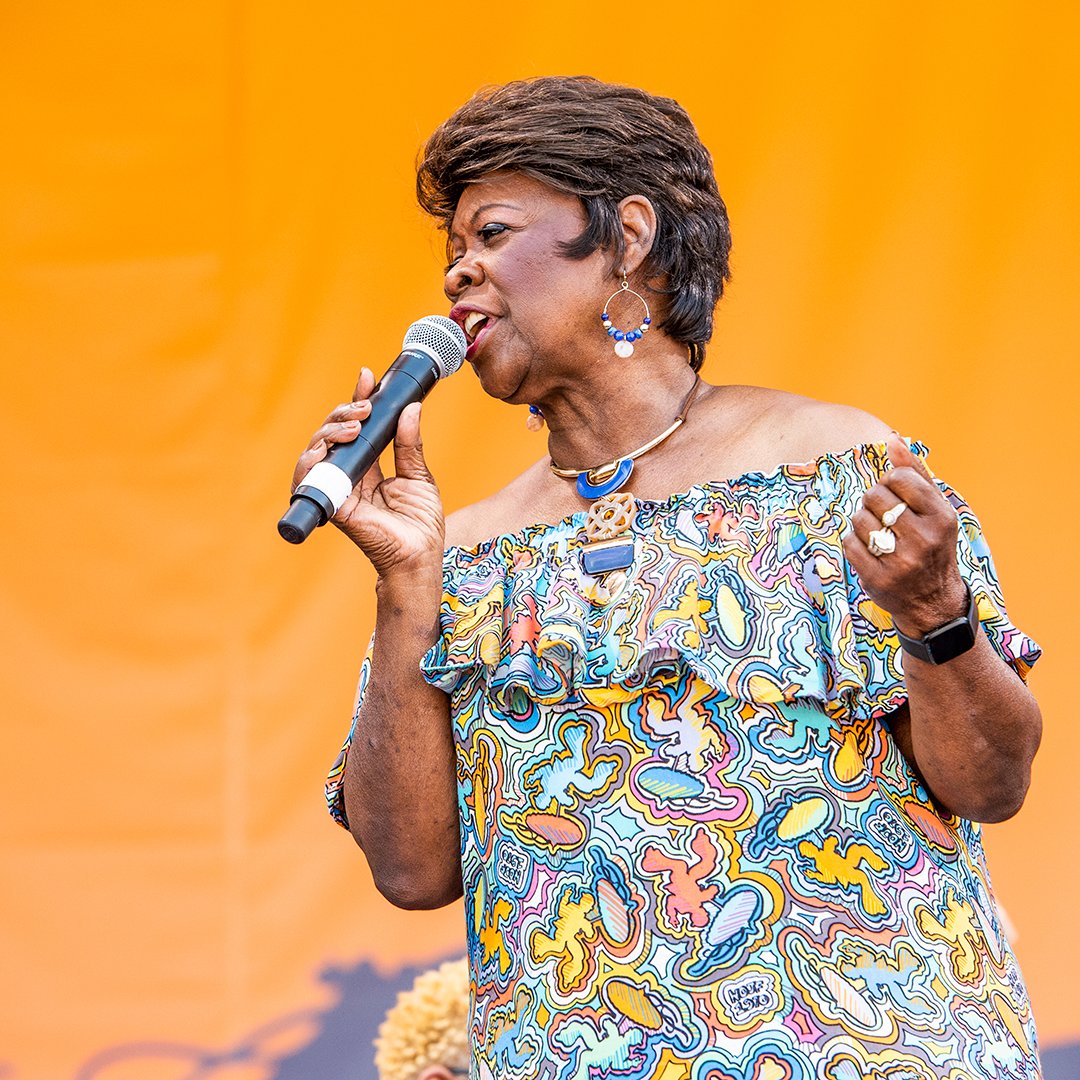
[{"x": 951, "y": 640}]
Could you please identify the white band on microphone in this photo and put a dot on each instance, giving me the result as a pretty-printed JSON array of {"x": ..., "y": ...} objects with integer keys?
[{"x": 333, "y": 482}]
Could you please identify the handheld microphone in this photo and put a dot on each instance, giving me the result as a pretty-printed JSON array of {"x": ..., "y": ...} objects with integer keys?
[{"x": 434, "y": 347}]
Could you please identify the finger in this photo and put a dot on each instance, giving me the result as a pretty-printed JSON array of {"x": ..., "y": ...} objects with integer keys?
[
  {"x": 901, "y": 486},
  {"x": 340, "y": 431},
  {"x": 365, "y": 384},
  {"x": 907, "y": 556},
  {"x": 863, "y": 523},
  {"x": 314, "y": 453},
  {"x": 408, "y": 449},
  {"x": 879, "y": 499},
  {"x": 858, "y": 556},
  {"x": 906, "y": 484},
  {"x": 357, "y": 409},
  {"x": 328, "y": 435},
  {"x": 901, "y": 456}
]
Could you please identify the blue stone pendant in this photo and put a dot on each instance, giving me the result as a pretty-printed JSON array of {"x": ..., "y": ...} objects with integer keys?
[
  {"x": 608, "y": 555},
  {"x": 615, "y": 481}
]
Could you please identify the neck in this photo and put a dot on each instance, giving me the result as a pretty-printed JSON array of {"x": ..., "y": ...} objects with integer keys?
[{"x": 615, "y": 408}]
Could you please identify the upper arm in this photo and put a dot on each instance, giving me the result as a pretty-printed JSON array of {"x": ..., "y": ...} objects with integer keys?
[{"x": 899, "y": 724}]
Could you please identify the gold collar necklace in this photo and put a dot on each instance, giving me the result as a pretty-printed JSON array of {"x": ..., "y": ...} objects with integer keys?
[{"x": 602, "y": 480}]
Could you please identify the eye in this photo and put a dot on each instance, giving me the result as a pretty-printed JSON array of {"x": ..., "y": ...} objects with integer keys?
[{"x": 486, "y": 233}]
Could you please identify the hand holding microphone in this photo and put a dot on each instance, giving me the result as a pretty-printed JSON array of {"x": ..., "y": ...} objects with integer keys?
[{"x": 338, "y": 476}]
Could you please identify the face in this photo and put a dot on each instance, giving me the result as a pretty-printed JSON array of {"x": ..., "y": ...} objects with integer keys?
[{"x": 532, "y": 316}]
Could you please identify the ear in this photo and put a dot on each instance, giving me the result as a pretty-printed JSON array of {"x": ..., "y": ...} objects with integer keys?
[{"x": 639, "y": 231}]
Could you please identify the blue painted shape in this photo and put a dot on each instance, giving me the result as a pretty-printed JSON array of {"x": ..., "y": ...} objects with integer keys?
[
  {"x": 667, "y": 784},
  {"x": 613, "y": 483},
  {"x": 611, "y": 555}
]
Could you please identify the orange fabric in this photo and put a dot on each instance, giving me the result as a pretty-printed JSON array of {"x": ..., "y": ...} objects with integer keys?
[{"x": 206, "y": 225}]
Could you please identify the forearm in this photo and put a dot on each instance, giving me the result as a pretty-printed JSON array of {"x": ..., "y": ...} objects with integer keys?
[
  {"x": 970, "y": 728},
  {"x": 972, "y": 732},
  {"x": 399, "y": 780}
]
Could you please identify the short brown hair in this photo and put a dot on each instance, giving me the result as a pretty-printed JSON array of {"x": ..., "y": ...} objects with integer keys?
[{"x": 601, "y": 142}]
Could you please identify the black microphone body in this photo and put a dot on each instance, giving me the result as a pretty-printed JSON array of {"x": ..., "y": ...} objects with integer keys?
[{"x": 409, "y": 378}]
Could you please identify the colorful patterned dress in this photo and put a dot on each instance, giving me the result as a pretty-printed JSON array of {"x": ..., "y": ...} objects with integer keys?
[{"x": 690, "y": 847}]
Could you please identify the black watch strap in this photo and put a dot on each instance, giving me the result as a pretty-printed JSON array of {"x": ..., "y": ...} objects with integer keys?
[{"x": 946, "y": 642}]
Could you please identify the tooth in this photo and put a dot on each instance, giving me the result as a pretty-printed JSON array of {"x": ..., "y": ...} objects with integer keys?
[{"x": 472, "y": 320}]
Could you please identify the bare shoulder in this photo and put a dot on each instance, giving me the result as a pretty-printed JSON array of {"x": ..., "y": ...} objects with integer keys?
[
  {"x": 791, "y": 428},
  {"x": 505, "y": 511},
  {"x": 472, "y": 524},
  {"x": 823, "y": 427}
]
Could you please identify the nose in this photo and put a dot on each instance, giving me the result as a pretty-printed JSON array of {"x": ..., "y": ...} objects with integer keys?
[{"x": 463, "y": 274}]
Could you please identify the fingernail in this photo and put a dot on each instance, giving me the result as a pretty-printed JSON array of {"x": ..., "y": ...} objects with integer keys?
[{"x": 352, "y": 423}]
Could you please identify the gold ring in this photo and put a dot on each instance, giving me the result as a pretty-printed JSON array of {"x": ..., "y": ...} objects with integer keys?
[
  {"x": 881, "y": 542},
  {"x": 891, "y": 517}
]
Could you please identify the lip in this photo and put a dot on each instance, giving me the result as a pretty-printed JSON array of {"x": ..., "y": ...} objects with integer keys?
[
  {"x": 478, "y": 341},
  {"x": 460, "y": 312}
]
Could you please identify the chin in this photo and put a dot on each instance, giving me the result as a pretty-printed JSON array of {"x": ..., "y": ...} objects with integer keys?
[{"x": 498, "y": 380}]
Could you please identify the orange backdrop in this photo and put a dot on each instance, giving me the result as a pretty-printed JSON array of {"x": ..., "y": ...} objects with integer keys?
[{"x": 206, "y": 225}]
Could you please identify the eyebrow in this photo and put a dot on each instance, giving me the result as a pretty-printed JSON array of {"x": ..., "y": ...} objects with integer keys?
[{"x": 490, "y": 206}]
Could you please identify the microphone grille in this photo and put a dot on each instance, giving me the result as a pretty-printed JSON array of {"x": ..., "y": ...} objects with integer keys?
[{"x": 441, "y": 338}]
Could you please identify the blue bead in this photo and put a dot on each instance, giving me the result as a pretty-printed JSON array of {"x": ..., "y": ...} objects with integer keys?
[
  {"x": 603, "y": 316},
  {"x": 646, "y": 321},
  {"x": 619, "y": 335},
  {"x": 612, "y": 331}
]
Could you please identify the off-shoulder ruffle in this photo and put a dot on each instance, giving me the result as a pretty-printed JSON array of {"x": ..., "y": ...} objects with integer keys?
[{"x": 743, "y": 580}]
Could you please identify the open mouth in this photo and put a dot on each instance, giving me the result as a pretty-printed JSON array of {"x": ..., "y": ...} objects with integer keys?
[{"x": 474, "y": 322}]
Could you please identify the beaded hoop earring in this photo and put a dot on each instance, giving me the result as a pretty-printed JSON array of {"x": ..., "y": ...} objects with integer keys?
[{"x": 624, "y": 339}]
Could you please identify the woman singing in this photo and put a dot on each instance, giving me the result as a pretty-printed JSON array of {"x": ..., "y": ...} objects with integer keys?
[{"x": 702, "y": 711}]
